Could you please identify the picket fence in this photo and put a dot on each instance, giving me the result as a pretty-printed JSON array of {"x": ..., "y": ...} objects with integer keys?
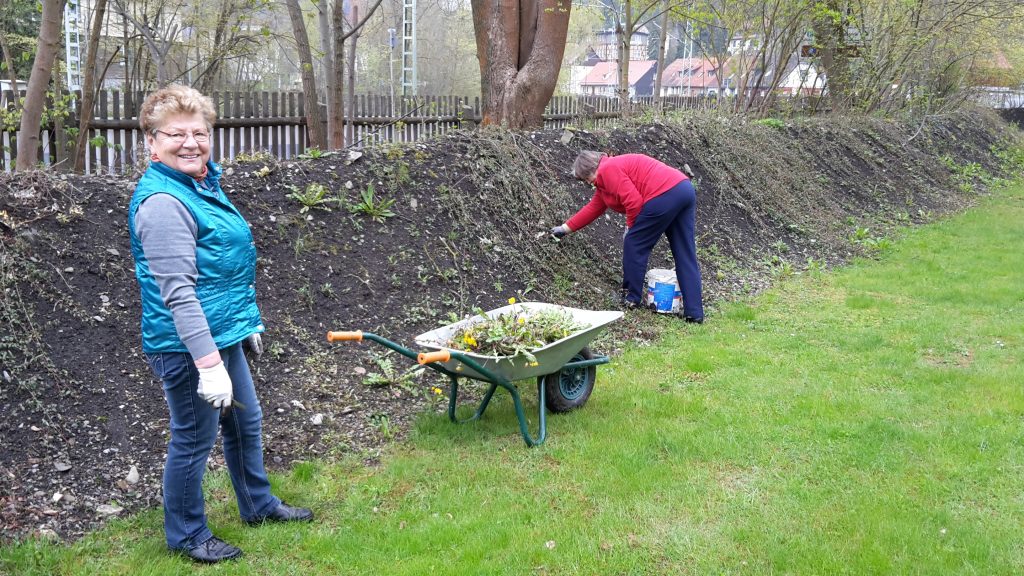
[{"x": 275, "y": 123}]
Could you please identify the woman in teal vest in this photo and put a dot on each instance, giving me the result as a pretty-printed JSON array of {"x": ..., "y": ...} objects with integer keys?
[{"x": 195, "y": 261}]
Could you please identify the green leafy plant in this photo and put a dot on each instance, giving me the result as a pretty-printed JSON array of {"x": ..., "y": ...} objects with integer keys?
[
  {"x": 516, "y": 332},
  {"x": 382, "y": 424},
  {"x": 376, "y": 208},
  {"x": 771, "y": 123},
  {"x": 314, "y": 196},
  {"x": 387, "y": 375},
  {"x": 315, "y": 154},
  {"x": 255, "y": 156}
]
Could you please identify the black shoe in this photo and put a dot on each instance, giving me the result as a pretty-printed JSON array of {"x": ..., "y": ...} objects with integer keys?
[
  {"x": 285, "y": 513},
  {"x": 213, "y": 550},
  {"x": 693, "y": 320},
  {"x": 630, "y": 305}
]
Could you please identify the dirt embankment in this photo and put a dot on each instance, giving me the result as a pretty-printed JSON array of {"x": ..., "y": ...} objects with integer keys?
[{"x": 81, "y": 409}]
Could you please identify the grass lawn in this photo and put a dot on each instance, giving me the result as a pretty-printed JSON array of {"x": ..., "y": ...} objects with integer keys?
[{"x": 867, "y": 421}]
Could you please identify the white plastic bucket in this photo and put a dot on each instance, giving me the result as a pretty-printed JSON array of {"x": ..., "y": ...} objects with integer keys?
[{"x": 663, "y": 291}]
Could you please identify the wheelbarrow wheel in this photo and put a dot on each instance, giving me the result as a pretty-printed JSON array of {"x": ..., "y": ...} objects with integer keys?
[{"x": 570, "y": 388}]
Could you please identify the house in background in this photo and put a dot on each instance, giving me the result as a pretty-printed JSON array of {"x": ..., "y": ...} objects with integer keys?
[
  {"x": 690, "y": 77},
  {"x": 603, "y": 79},
  {"x": 605, "y": 50},
  {"x": 800, "y": 77},
  {"x": 579, "y": 71},
  {"x": 607, "y": 45}
]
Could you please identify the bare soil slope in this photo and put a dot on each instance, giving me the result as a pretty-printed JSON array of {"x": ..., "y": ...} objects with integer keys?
[{"x": 81, "y": 409}]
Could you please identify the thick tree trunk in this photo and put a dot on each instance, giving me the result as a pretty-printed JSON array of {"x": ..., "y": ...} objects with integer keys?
[
  {"x": 35, "y": 93},
  {"x": 519, "y": 47},
  {"x": 314, "y": 121},
  {"x": 829, "y": 39},
  {"x": 89, "y": 84}
]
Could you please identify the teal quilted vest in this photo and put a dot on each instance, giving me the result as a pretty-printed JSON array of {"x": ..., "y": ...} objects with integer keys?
[{"x": 225, "y": 260}]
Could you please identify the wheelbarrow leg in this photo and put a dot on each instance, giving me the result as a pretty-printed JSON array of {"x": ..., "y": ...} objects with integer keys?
[
  {"x": 517, "y": 402},
  {"x": 453, "y": 400}
]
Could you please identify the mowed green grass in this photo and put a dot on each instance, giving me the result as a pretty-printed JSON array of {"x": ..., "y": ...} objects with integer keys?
[{"x": 865, "y": 421}]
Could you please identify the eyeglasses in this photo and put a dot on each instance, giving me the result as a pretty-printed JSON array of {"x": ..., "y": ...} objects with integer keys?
[{"x": 179, "y": 137}]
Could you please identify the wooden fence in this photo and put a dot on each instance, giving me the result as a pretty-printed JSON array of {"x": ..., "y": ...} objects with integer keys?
[{"x": 274, "y": 122}]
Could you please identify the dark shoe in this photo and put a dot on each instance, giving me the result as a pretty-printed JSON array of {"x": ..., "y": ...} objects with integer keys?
[
  {"x": 213, "y": 550},
  {"x": 630, "y": 305},
  {"x": 693, "y": 320},
  {"x": 285, "y": 513}
]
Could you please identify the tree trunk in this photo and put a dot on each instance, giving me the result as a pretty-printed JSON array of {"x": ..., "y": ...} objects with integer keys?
[
  {"x": 336, "y": 83},
  {"x": 35, "y": 93},
  {"x": 625, "y": 29},
  {"x": 314, "y": 121},
  {"x": 519, "y": 47},
  {"x": 208, "y": 77},
  {"x": 60, "y": 135},
  {"x": 88, "y": 100},
  {"x": 9, "y": 60},
  {"x": 662, "y": 41},
  {"x": 829, "y": 39},
  {"x": 351, "y": 100},
  {"x": 324, "y": 23}
]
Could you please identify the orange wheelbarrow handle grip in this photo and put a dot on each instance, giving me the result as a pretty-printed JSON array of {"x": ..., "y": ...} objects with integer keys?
[
  {"x": 356, "y": 336},
  {"x": 428, "y": 357}
]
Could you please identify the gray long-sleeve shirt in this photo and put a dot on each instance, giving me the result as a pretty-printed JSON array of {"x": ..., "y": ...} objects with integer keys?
[{"x": 168, "y": 233}]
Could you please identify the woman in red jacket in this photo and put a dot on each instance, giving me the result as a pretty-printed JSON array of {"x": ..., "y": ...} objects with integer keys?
[{"x": 656, "y": 199}]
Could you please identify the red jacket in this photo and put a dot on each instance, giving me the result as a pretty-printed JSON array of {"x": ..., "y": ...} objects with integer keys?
[{"x": 624, "y": 183}]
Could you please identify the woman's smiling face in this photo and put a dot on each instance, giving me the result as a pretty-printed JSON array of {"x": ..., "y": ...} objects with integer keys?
[{"x": 182, "y": 142}]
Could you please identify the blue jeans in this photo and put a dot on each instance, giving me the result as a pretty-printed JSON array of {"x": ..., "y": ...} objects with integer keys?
[
  {"x": 194, "y": 424},
  {"x": 674, "y": 214}
]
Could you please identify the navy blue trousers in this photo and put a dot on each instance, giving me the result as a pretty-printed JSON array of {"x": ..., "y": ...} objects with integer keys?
[
  {"x": 674, "y": 214},
  {"x": 194, "y": 425}
]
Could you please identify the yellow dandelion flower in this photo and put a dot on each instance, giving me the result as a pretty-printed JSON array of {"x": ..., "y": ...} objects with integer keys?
[
  {"x": 522, "y": 320},
  {"x": 512, "y": 300},
  {"x": 436, "y": 390},
  {"x": 468, "y": 340},
  {"x": 534, "y": 363}
]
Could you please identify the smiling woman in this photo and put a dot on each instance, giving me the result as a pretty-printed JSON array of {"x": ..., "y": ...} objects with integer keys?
[
  {"x": 177, "y": 127},
  {"x": 195, "y": 261}
]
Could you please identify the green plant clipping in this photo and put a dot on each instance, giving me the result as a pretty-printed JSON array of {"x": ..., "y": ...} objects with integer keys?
[
  {"x": 376, "y": 208},
  {"x": 517, "y": 332},
  {"x": 314, "y": 196}
]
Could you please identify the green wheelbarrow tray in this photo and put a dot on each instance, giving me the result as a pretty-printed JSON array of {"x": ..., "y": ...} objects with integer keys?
[{"x": 565, "y": 369}]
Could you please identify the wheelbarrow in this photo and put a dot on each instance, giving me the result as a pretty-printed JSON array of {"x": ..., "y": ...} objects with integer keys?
[{"x": 565, "y": 369}]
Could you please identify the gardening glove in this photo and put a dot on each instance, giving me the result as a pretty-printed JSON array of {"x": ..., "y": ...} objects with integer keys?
[
  {"x": 215, "y": 386},
  {"x": 560, "y": 231},
  {"x": 255, "y": 344}
]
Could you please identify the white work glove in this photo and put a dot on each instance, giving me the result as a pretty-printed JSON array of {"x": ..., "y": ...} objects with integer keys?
[
  {"x": 215, "y": 386},
  {"x": 560, "y": 231},
  {"x": 255, "y": 343}
]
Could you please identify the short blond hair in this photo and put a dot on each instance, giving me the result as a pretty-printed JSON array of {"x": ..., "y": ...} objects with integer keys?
[
  {"x": 585, "y": 166},
  {"x": 171, "y": 101}
]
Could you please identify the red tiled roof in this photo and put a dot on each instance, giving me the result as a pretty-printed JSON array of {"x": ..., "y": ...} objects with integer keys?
[
  {"x": 607, "y": 73},
  {"x": 702, "y": 73}
]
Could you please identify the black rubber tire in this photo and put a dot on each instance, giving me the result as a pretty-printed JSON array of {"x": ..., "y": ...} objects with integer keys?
[{"x": 569, "y": 389}]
